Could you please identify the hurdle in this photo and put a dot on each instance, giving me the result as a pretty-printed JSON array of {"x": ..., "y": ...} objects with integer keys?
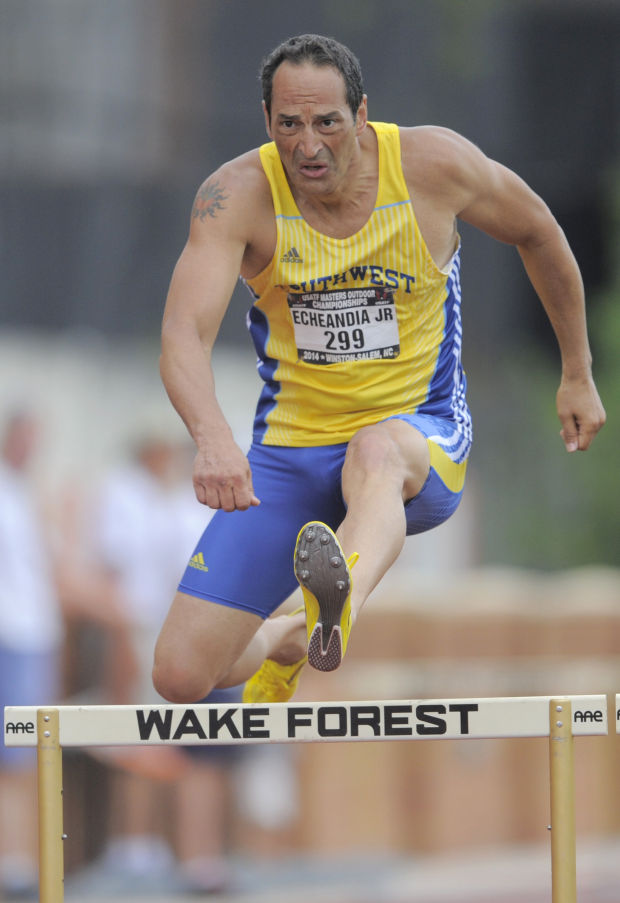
[{"x": 561, "y": 719}]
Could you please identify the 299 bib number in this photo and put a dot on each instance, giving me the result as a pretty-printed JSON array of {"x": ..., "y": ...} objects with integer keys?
[
  {"x": 343, "y": 340},
  {"x": 349, "y": 325}
]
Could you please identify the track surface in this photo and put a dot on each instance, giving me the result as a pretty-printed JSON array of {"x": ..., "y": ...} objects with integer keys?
[{"x": 513, "y": 875}]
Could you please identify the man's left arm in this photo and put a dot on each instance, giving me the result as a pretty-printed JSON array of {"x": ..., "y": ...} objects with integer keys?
[{"x": 501, "y": 204}]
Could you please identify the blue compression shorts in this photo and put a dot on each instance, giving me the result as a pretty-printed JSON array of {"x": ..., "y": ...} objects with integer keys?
[{"x": 244, "y": 559}]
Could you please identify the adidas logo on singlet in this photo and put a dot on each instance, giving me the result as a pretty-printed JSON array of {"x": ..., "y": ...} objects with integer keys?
[{"x": 291, "y": 256}]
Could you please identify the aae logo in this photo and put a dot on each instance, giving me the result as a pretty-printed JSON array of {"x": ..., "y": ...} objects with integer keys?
[
  {"x": 588, "y": 715},
  {"x": 19, "y": 727}
]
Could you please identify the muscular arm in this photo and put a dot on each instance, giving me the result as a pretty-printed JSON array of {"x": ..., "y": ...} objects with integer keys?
[
  {"x": 554, "y": 273},
  {"x": 200, "y": 290},
  {"x": 495, "y": 200}
]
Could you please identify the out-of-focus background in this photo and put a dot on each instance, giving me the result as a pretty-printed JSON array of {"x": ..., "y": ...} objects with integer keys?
[{"x": 112, "y": 114}]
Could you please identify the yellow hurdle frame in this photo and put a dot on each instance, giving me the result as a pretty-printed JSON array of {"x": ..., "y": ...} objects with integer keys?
[{"x": 561, "y": 779}]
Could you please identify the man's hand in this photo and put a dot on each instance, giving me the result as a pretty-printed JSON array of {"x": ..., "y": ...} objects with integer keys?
[
  {"x": 580, "y": 411},
  {"x": 222, "y": 477}
]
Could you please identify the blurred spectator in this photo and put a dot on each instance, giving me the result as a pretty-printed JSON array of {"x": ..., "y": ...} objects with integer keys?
[
  {"x": 30, "y": 643},
  {"x": 142, "y": 529},
  {"x": 101, "y": 580}
]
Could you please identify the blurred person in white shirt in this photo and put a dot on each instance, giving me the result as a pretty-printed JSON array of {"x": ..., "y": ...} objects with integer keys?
[
  {"x": 143, "y": 525},
  {"x": 31, "y": 634}
]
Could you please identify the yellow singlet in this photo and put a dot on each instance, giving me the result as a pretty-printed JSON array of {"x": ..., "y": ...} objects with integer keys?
[{"x": 350, "y": 331}]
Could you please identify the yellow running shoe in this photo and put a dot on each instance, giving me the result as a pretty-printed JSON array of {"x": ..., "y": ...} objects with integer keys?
[
  {"x": 324, "y": 575},
  {"x": 273, "y": 682}
]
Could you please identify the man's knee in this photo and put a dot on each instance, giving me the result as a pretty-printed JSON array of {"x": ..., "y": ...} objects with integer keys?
[
  {"x": 392, "y": 449},
  {"x": 177, "y": 682},
  {"x": 372, "y": 447},
  {"x": 198, "y": 645}
]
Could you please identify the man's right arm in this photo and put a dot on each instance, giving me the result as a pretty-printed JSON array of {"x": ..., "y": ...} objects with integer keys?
[{"x": 200, "y": 291}]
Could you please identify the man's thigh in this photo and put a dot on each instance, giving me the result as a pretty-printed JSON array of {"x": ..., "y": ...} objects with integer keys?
[
  {"x": 244, "y": 559},
  {"x": 199, "y": 642},
  {"x": 441, "y": 494}
]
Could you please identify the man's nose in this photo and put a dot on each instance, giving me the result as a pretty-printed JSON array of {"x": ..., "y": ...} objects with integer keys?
[{"x": 309, "y": 143}]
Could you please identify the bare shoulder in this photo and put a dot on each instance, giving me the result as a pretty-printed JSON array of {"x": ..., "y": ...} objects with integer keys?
[
  {"x": 448, "y": 175},
  {"x": 438, "y": 160},
  {"x": 235, "y": 193},
  {"x": 433, "y": 145}
]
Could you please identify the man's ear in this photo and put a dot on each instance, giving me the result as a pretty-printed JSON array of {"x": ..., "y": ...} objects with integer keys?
[
  {"x": 267, "y": 121},
  {"x": 362, "y": 115}
]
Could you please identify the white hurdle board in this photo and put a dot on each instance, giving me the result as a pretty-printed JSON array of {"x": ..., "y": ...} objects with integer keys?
[
  {"x": 300, "y": 722},
  {"x": 560, "y": 718}
]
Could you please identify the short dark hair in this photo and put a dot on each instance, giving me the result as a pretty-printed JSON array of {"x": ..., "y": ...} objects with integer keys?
[{"x": 320, "y": 51}]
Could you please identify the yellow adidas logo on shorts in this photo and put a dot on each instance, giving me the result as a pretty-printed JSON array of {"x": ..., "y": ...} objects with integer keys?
[{"x": 197, "y": 561}]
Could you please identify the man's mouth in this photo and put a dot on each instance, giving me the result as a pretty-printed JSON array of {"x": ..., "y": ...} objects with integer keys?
[{"x": 313, "y": 170}]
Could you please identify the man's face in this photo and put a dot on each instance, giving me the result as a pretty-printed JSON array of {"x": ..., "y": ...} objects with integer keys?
[{"x": 313, "y": 127}]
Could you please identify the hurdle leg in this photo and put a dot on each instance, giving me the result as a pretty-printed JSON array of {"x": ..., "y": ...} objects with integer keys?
[
  {"x": 562, "y": 780},
  {"x": 49, "y": 773}
]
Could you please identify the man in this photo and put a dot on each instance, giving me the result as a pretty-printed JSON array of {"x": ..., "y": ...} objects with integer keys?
[{"x": 345, "y": 233}]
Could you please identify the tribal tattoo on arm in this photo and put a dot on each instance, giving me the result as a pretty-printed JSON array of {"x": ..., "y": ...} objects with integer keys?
[{"x": 209, "y": 200}]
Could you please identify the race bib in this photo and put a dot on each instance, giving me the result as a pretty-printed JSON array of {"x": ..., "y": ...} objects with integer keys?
[{"x": 354, "y": 324}]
